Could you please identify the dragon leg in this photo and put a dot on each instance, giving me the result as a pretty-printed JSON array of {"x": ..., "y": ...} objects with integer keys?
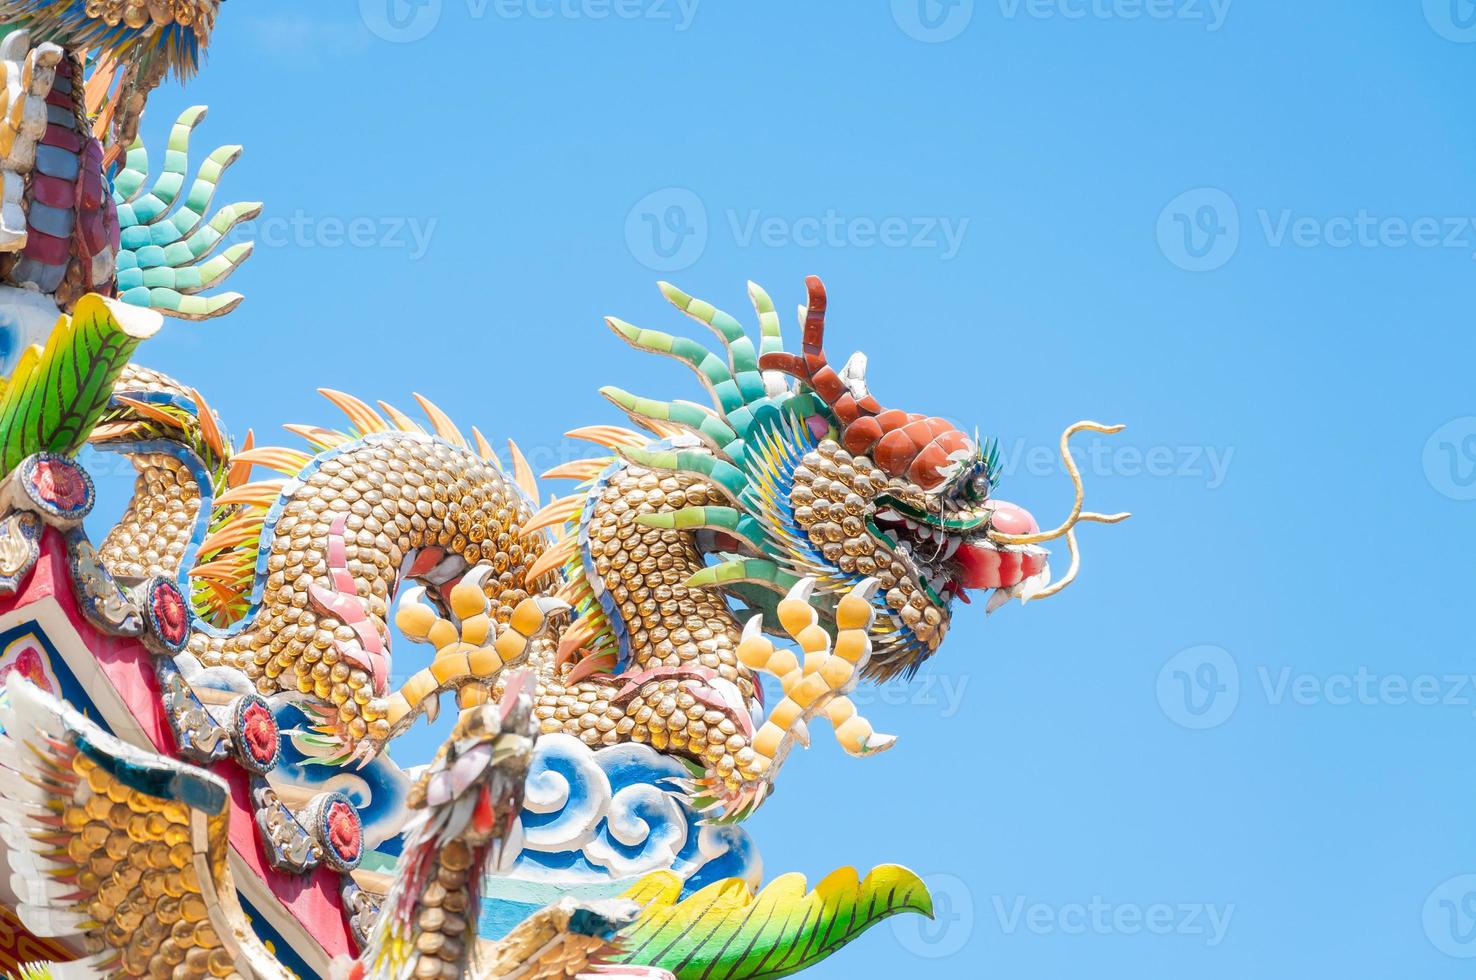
[
  {"x": 818, "y": 684},
  {"x": 470, "y": 648}
]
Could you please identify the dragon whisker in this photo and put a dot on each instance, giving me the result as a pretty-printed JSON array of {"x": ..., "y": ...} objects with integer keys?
[{"x": 1077, "y": 514}]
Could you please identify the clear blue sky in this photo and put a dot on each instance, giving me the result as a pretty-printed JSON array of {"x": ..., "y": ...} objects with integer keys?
[{"x": 1243, "y": 229}]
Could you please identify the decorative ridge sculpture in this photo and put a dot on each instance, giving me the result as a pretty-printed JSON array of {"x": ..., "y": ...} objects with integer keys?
[{"x": 230, "y": 805}]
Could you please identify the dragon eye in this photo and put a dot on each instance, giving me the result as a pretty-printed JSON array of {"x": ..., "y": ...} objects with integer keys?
[{"x": 979, "y": 487}]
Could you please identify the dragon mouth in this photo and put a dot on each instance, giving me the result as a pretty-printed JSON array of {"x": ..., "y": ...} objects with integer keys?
[
  {"x": 953, "y": 561},
  {"x": 436, "y": 569}
]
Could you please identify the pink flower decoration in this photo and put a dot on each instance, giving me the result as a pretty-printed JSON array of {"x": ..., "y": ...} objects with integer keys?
[
  {"x": 60, "y": 484},
  {"x": 260, "y": 729},
  {"x": 169, "y": 613},
  {"x": 343, "y": 830}
]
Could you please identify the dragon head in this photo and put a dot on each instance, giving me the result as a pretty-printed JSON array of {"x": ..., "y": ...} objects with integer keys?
[
  {"x": 827, "y": 484},
  {"x": 473, "y": 790},
  {"x": 906, "y": 498},
  {"x": 466, "y": 805}
]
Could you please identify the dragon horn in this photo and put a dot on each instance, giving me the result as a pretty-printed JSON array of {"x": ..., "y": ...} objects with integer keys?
[
  {"x": 925, "y": 450},
  {"x": 843, "y": 392}
]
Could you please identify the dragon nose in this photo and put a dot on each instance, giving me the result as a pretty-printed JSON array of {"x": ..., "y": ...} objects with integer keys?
[{"x": 1011, "y": 518}]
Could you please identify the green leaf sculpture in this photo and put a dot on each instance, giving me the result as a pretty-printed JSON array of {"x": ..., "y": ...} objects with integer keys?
[
  {"x": 725, "y": 932},
  {"x": 56, "y": 394}
]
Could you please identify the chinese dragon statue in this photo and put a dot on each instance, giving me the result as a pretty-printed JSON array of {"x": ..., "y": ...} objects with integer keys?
[{"x": 227, "y": 804}]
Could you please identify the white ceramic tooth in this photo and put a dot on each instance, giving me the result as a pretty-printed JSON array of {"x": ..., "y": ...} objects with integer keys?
[
  {"x": 1028, "y": 588},
  {"x": 997, "y": 598}
]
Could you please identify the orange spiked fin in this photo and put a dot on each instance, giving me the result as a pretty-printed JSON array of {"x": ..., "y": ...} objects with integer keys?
[
  {"x": 440, "y": 421},
  {"x": 664, "y": 430},
  {"x": 523, "y": 473},
  {"x": 225, "y": 570},
  {"x": 556, "y": 511},
  {"x": 580, "y": 469},
  {"x": 609, "y": 436},
  {"x": 318, "y": 436},
  {"x": 576, "y": 636},
  {"x": 289, "y": 461},
  {"x": 262, "y": 493},
  {"x": 551, "y": 559},
  {"x": 96, "y": 92},
  {"x": 111, "y": 430},
  {"x": 209, "y": 431},
  {"x": 484, "y": 449},
  {"x": 232, "y": 534},
  {"x": 364, "y": 418},
  {"x": 149, "y": 411},
  {"x": 595, "y": 664},
  {"x": 239, "y": 530},
  {"x": 575, "y": 591},
  {"x": 240, "y": 473},
  {"x": 401, "y": 421},
  {"x": 222, "y": 597}
]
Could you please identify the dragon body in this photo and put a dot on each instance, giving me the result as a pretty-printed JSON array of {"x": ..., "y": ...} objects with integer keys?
[{"x": 628, "y": 599}]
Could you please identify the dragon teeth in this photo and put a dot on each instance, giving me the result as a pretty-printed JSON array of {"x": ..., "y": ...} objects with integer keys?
[{"x": 1027, "y": 589}]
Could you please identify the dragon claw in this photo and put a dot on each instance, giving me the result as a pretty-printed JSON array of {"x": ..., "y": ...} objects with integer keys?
[
  {"x": 471, "y": 650},
  {"x": 819, "y": 684}
]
